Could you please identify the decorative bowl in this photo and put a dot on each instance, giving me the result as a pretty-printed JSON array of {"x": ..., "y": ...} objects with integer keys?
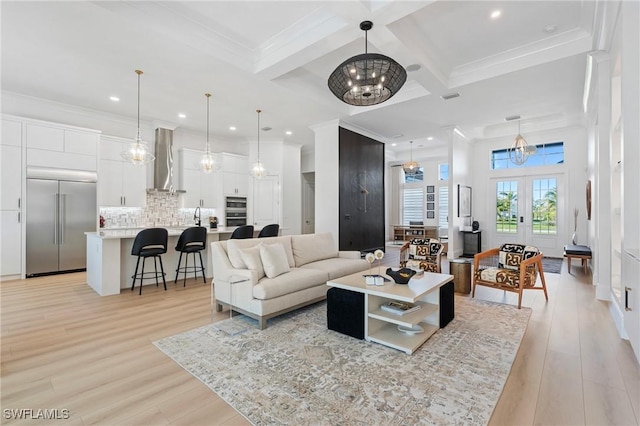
[{"x": 401, "y": 276}]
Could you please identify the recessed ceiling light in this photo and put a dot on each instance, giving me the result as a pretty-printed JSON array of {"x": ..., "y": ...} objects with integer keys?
[
  {"x": 232, "y": 128},
  {"x": 430, "y": 138},
  {"x": 394, "y": 144},
  {"x": 496, "y": 14},
  {"x": 182, "y": 116},
  {"x": 289, "y": 132},
  {"x": 115, "y": 98},
  {"x": 399, "y": 135}
]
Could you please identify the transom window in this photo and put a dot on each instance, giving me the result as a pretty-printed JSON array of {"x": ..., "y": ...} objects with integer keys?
[{"x": 547, "y": 154}]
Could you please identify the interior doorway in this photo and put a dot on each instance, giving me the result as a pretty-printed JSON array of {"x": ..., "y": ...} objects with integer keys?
[{"x": 308, "y": 203}]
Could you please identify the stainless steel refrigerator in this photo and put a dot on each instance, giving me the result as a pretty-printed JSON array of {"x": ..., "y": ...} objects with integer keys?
[{"x": 61, "y": 207}]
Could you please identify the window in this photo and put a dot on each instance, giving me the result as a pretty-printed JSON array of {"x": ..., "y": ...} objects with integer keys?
[
  {"x": 417, "y": 177},
  {"x": 507, "y": 207},
  {"x": 545, "y": 194},
  {"x": 443, "y": 171},
  {"x": 412, "y": 205},
  {"x": 443, "y": 207},
  {"x": 547, "y": 154}
]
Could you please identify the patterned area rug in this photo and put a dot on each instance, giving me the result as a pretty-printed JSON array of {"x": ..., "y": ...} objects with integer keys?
[{"x": 298, "y": 372}]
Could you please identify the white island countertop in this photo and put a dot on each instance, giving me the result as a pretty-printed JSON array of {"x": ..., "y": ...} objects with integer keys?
[
  {"x": 118, "y": 233},
  {"x": 110, "y": 264}
]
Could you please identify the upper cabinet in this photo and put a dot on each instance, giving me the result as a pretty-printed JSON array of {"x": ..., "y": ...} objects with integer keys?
[
  {"x": 202, "y": 190},
  {"x": 53, "y": 145},
  {"x": 120, "y": 183},
  {"x": 235, "y": 174}
]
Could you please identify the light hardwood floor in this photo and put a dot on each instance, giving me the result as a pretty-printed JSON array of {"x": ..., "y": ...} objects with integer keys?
[{"x": 65, "y": 347}]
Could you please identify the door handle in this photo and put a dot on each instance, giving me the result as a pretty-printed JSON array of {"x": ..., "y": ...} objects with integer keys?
[
  {"x": 63, "y": 216},
  {"x": 521, "y": 219},
  {"x": 56, "y": 218},
  {"x": 626, "y": 298}
]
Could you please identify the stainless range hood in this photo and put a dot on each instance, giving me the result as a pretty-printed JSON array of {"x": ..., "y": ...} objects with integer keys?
[{"x": 163, "y": 164}]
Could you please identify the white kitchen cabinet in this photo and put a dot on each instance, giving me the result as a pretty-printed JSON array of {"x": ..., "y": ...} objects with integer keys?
[
  {"x": 11, "y": 177},
  {"x": 10, "y": 242},
  {"x": 201, "y": 189},
  {"x": 235, "y": 174},
  {"x": 120, "y": 183},
  {"x": 54, "y": 145}
]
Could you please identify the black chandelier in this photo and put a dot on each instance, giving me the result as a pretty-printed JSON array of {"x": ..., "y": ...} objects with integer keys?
[{"x": 367, "y": 79}]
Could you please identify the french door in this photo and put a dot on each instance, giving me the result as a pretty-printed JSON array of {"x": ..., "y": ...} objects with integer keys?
[{"x": 530, "y": 210}]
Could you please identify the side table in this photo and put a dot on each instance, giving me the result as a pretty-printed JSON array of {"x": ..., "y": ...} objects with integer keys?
[{"x": 460, "y": 268}]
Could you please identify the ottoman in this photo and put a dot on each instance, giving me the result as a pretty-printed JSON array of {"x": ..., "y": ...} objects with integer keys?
[
  {"x": 580, "y": 252},
  {"x": 345, "y": 312}
]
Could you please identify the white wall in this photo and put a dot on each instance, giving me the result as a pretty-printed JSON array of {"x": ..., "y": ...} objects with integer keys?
[
  {"x": 326, "y": 169},
  {"x": 460, "y": 170},
  {"x": 291, "y": 184}
]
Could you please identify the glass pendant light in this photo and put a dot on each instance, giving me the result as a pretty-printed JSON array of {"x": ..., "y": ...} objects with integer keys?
[
  {"x": 138, "y": 152},
  {"x": 520, "y": 149},
  {"x": 258, "y": 170},
  {"x": 208, "y": 163},
  {"x": 410, "y": 167}
]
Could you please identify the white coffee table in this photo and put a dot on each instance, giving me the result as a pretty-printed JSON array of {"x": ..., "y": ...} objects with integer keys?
[{"x": 381, "y": 326}]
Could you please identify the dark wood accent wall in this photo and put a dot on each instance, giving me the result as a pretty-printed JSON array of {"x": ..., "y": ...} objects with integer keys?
[{"x": 361, "y": 177}]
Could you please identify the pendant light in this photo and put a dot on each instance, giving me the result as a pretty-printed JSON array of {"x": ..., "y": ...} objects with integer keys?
[
  {"x": 410, "y": 167},
  {"x": 208, "y": 163},
  {"x": 258, "y": 170},
  {"x": 520, "y": 149},
  {"x": 367, "y": 79},
  {"x": 138, "y": 152}
]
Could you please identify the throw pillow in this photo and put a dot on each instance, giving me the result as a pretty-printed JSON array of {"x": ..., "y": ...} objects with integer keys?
[
  {"x": 251, "y": 258},
  {"x": 274, "y": 260}
]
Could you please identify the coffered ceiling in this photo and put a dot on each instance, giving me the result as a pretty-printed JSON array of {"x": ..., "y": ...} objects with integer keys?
[{"x": 277, "y": 56}]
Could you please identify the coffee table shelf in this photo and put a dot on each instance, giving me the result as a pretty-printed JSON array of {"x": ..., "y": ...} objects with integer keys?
[
  {"x": 407, "y": 320},
  {"x": 389, "y": 335}
]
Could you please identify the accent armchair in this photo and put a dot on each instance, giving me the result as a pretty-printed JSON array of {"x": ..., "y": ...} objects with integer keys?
[
  {"x": 511, "y": 267},
  {"x": 425, "y": 254}
]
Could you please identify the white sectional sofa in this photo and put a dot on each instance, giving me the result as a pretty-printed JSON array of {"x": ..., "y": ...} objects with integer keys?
[{"x": 277, "y": 274}]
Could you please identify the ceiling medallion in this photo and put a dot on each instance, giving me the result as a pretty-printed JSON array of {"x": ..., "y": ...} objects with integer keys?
[{"x": 367, "y": 79}]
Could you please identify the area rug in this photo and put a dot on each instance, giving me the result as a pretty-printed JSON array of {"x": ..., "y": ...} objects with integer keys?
[
  {"x": 297, "y": 372},
  {"x": 553, "y": 265}
]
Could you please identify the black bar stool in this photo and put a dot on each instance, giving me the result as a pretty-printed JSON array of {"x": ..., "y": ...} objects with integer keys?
[
  {"x": 150, "y": 242},
  {"x": 269, "y": 231},
  {"x": 192, "y": 240},
  {"x": 242, "y": 232}
]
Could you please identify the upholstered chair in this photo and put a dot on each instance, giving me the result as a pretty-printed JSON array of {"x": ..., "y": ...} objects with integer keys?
[
  {"x": 511, "y": 267},
  {"x": 422, "y": 254}
]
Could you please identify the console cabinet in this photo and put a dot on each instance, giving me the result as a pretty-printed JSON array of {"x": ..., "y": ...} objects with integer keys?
[{"x": 407, "y": 233}]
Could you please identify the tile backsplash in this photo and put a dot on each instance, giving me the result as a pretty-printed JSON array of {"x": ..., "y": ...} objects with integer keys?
[{"x": 162, "y": 209}]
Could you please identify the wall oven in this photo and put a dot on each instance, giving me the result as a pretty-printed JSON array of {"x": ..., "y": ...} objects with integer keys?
[{"x": 236, "y": 211}]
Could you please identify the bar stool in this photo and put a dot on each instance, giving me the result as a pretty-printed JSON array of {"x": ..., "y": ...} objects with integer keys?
[
  {"x": 150, "y": 242},
  {"x": 269, "y": 231},
  {"x": 242, "y": 232},
  {"x": 192, "y": 240}
]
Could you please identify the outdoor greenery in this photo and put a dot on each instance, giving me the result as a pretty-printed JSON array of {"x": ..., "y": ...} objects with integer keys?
[{"x": 544, "y": 212}]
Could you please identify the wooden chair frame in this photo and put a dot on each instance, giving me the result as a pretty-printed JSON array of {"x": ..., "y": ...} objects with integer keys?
[{"x": 489, "y": 258}]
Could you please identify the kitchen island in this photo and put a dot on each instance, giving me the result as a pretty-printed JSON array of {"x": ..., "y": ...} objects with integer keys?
[{"x": 110, "y": 264}]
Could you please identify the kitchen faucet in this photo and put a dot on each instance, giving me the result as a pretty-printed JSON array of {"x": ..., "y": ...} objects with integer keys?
[{"x": 196, "y": 216}]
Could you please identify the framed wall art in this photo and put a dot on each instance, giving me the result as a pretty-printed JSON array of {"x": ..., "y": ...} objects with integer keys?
[
  {"x": 431, "y": 206},
  {"x": 431, "y": 214},
  {"x": 431, "y": 189},
  {"x": 464, "y": 201},
  {"x": 431, "y": 197}
]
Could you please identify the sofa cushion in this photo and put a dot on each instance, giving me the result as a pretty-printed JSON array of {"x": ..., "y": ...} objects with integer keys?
[
  {"x": 251, "y": 258},
  {"x": 339, "y": 267},
  {"x": 274, "y": 260},
  {"x": 312, "y": 247},
  {"x": 234, "y": 247},
  {"x": 295, "y": 280}
]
